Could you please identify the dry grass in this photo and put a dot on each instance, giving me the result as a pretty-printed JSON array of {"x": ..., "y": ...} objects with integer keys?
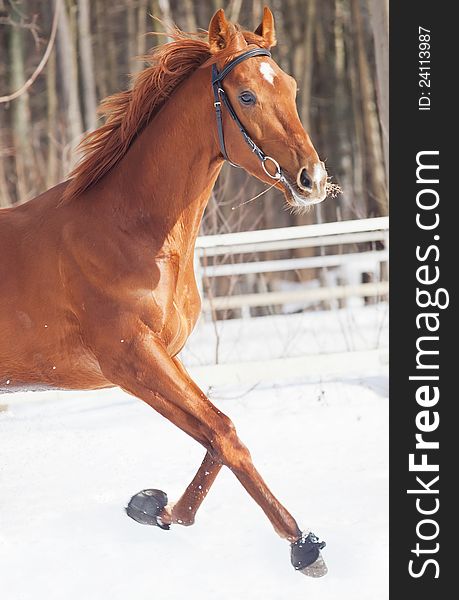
[{"x": 333, "y": 190}]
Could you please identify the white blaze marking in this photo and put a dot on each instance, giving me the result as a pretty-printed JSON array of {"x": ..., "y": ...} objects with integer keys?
[{"x": 268, "y": 72}]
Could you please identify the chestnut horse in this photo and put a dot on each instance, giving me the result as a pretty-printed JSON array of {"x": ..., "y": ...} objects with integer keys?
[{"x": 96, "y": 274}]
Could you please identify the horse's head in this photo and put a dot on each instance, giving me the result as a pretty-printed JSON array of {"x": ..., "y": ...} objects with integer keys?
[{"x": 263, "y": 98}]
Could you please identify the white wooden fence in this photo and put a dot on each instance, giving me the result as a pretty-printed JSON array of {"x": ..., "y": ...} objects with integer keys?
[{"x": 340, "y": 234}]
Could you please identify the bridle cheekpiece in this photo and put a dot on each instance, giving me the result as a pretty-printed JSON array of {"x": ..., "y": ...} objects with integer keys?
[{"x": 221, "y": 97}]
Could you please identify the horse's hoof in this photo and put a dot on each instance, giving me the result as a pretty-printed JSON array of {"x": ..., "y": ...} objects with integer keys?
[
  {"x": 306, "y": 556},
  {"x": 316, "y": 569},
  {"x": 146, "y": 507}
]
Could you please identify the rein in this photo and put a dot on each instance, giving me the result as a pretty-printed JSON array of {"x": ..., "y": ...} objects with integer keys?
[{"x": 220, "y": 96}]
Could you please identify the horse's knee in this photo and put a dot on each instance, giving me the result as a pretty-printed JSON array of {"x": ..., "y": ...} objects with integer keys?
[{"x": 229, "y": 448}]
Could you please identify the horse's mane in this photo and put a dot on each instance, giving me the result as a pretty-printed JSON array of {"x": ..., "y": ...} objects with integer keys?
[{"x": 127, "y": 113}]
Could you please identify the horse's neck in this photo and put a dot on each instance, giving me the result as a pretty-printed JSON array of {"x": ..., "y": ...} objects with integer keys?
[{"x": 165, "y": 180}]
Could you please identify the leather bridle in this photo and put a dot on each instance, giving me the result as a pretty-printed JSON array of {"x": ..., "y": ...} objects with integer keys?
[{"x": 220, "y": 96}]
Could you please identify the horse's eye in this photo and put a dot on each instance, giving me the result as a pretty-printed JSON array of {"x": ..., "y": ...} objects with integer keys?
[{"x": 247, "y": 98}]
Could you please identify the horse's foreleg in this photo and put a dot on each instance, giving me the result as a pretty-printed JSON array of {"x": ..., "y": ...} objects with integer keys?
[
  {"x": 184, "y": 510},
  {"x": 148, "y": 372}
]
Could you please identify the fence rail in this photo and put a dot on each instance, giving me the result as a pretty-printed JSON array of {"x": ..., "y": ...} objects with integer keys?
[
  {"x": 214, "y": 243},
  {"x": 341, "y": 234},
  {"x": 294, "y": 296}
]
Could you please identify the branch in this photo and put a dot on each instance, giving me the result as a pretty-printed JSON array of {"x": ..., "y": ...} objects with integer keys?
[
  {"x": 41, "y": 64},
  {"x": 22, "y": 24}
]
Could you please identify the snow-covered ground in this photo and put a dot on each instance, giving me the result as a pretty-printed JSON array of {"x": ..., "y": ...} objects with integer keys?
[
  {"x": 349, "y": 329},
  {"x": 70, "y": 462}
]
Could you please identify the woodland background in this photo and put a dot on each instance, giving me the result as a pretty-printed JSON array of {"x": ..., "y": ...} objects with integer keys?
[{"x": 336, "y": 49}]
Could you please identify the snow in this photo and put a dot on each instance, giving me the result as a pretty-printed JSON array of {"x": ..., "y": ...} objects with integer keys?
[
  {"x": 69, "y": 462},
  {"x": 282, "y": 336}
]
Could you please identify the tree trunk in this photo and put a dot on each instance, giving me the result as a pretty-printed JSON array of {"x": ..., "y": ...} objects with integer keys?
[
  {"x": 376, "y": 194},
  {"x": 141, "y": 29},
  {"x": 87, "y": 65},
  {"x": 131, "y": 46},
  {"x": 68, "y": 79},
  {"x": 20, "y": 111},
  {"x": 190, "y": 21},
  {"x": 52, "y": 167},
  {"x": 379, "y": 10},
  {"x": 5, "y": 197},
  {"x": 166, "y": 15},
  {"x": 307, "y": 65},
  {"x": 101, "y": 66}
]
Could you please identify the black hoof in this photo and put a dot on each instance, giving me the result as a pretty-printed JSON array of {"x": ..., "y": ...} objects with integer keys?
[
  {"x": 306, "y": 555},
  {"x": 146, "y": 506}
]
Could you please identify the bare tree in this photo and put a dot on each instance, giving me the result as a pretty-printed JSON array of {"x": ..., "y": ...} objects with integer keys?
[
  {"x": 329, "y": 46},
  {"x": 87, "y": 65},
  {"x": 68, "y": 78},
  {"x": 379, "y": 10},
  {"x": 20, "y": 109}
]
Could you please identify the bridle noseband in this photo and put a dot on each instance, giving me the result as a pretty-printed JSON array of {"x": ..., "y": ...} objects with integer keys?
[{"x": 220, "y": 96}]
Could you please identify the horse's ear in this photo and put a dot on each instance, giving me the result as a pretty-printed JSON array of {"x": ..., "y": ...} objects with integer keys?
[
  {"x": 267, "y": 29},
  {"x": 221, "y": 31}
]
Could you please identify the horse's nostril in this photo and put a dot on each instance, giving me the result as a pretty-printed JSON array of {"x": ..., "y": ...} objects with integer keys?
[{"x": 305, "y": 181}]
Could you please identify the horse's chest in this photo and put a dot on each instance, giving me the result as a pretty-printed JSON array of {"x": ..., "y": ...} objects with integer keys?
[
  {"x": 185, "y": 311},
  {"x": 176, "y": 307}
]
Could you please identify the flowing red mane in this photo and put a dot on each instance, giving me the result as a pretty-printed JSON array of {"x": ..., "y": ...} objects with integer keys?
[{"x": 127, "y": 113}]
